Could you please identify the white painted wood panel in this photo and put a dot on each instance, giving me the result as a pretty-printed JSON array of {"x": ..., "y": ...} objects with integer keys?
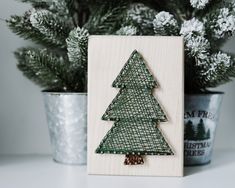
[{"x": 106, "y": 57}]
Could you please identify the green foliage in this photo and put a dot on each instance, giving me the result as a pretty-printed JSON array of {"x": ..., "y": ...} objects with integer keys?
[
  {"x": 77, "y": 44},
  {"x": 43, "y": 67},
  {"x": 206, "y": 26},
  {"x": 141, "y": 17},
  {"x": 127, "y": 30},
  {"x": 50, "y": 26},
  {"x": 63, "y": 25},
  {"x": 21, "y": 26},
  {"x": 106, "y": 18},
  {"x": 219, "y": 70},
  {"x": 61, "y": 7},
  {"x": 220, "y": 23},
  {"x": 165, "y": 24}
]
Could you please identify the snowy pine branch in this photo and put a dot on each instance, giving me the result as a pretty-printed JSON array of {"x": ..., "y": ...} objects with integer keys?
[
  {"x": 216, "y": 72},
  {"x": 193, "y": 26},
  {"x": 199, "y": 4},
  {"x": 142, "y": 17},
  {"x": 77, "y": 47},
  {"x": 165, "y": 24},
  {"x": 221, "y": 23},
  {"x": 50, "y": 26},
  {"x": 60, "y": 7},
  {"x": 127, "y": 30},
  {"x": 106, "y": 19},
  {"x": 204, "y": 24},
  {"x": 77, "y": 44},
  {"x": 197, "y": 47},
  {"x": 22, "y": 26},
  {"x": 44, "y": 68}
]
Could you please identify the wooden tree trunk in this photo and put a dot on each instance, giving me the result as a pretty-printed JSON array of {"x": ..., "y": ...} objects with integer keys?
[{"x": 133, "y": 160}]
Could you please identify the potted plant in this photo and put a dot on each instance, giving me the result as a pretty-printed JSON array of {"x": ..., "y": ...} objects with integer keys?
[
  {"x": 59, "y": 64},
  {"x": 205, "y": 26}
]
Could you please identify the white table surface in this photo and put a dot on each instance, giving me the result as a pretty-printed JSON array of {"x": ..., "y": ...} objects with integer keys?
[{"x": 39, "y": 171}]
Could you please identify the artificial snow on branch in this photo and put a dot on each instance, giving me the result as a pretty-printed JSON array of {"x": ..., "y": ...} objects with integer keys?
[
  {"x": 141, "y": 16},
  {"x": 77, "y": 47},
  {"x": 22, "y": 26},
  {"x": 204, "y": 24},
  {"x": 221, "y": 23},
  {"x": 216, "y": 72},
  {"x": 197, "y": 46},
  {"x": 106, "y": 19},
  {"x": 43, "y": 67},
  {"x": 51, "y": 26},
  {"x": 127, "y": 30},
  {"x": 193, "y": 26},
  {"x": 61, "y": 7},
  {"x": 165, "y": 24},
  {"x": 199, "y": 4}
]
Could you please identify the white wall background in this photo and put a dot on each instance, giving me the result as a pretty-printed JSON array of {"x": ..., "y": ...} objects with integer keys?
[{"x": 23, "y": 127}]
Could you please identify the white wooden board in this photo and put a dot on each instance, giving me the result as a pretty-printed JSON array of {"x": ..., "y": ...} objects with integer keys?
[{"x": 106, "y": 57}]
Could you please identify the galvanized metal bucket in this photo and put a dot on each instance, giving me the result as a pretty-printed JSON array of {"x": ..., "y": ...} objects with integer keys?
[
  {"x": 67, "y": 123},
  {"x": 200, "y": 119}
]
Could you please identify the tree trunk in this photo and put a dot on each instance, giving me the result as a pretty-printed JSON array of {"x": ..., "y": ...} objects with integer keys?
[{"x": 133, "y": 160}]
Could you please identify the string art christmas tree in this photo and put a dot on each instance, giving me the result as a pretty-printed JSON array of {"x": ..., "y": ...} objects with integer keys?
[{"x": 136, "y": 114}]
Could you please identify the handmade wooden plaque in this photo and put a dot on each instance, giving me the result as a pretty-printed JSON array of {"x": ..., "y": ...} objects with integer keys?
[{"x": 135, "y": 105}]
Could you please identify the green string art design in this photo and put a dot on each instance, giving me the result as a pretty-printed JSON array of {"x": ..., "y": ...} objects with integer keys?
[{"x": 136, "y": 114}]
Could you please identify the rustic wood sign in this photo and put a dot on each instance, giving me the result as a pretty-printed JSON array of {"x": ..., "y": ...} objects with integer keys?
[{"x": 135, "y": 105}]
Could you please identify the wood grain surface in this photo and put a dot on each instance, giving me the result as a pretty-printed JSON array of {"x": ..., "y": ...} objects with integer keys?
[{"x": 106, "y": 57}]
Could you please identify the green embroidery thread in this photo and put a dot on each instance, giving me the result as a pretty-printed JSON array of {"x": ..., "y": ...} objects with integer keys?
[{"x": 136, "y": 114}]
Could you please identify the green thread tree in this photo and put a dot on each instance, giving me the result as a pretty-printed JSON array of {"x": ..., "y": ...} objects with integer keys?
[
  {"x": 189, "y": 132},
  {"x": 136, "y": 114}
]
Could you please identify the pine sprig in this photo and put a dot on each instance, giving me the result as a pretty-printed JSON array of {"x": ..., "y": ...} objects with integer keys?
[
  {"x": 165, "y": 24},
  {"x": 204, "y": 24},
  {"x": 22, "y": 26},
  {"x": 127, "y": 30},
  {"x": 50, "y": 26},
  {"x": 219, "y": 20},
  {"x": 199, "y": 4},
  {"x": 44, "y": 68},
  {"x": 63, "y": 9},
  {"x": 218, "y": 70},
  {"x": 77, "y": 44},
  {"x": 231, "y": 70},
  {"x": 106, "y": 19},
  {"x": 141, "y": 17}
]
